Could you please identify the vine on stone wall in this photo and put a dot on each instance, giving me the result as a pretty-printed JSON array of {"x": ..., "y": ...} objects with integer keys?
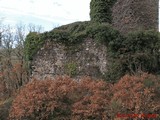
[{"x": 100, "y": 10}]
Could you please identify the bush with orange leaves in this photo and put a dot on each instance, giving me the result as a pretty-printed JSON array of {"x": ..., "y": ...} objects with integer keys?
[
  {"x": 66, "y": 99},
  {"x": 12, "y": 79},
  {"x": 3, "y": 89},
  {"x": 136, "y": 94},
  {"x": 62, "y": 99},
  {"x": 95, "y": 101}
]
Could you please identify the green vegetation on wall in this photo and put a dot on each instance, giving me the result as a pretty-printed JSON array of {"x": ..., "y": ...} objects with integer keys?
[
  {"x": 33, "y": 43},
  {"x": 137, "y": 52},
  {"x": 71, "y": 68},
  {"x": 100, "y": 10},
  {"x": 68, "y": 34},
  {"x": 102, "y": 33},
  {"x": 75, "y": 33}
]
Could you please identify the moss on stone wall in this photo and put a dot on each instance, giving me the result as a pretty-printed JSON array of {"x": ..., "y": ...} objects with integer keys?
[
  {"x": 75, "y": 33},
  {"x": 137, "y": 51},
  {"x": 70, "y": 35}
]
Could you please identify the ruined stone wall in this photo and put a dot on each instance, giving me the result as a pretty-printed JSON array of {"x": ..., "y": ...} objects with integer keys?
[
  {"x": 132, "y": 15},
  {"x": 86, "y": 59},
  {"x": 89, "y": 58}
]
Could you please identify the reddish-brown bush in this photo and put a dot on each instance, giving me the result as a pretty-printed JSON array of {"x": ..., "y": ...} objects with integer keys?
[
  {"x": 94, "y": 105},
  {"x": 62, "y": 99},
  {"x": 136, "y": 94},
  {"x": 11, "y": 79},
  {"x": 67, "y": 99},
  {"x": 3, "y": 89}
]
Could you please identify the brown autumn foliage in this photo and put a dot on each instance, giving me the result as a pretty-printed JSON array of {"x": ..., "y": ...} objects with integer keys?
[
  {"x": 3, "y": 88},
  {"x": 66, "y": 99},
  {"x": 95, "y": 102},
  {"x": 137, "y": 94},
  {"x": 11, "y": 79},
  {"x": 62, "y": 99}
]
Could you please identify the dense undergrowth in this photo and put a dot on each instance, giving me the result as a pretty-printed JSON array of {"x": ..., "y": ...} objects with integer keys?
[
  {"x": 87, "y": 99},
  {"x": 136, "y": 52}
]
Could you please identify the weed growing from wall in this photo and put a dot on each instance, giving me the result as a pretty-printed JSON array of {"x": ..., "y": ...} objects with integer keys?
[{"x": 71, "y": 69}]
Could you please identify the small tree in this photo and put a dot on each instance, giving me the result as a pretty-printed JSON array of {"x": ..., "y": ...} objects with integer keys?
[
  {"x": 100, "y": 10},
  {"x": 13, "y": 66}
]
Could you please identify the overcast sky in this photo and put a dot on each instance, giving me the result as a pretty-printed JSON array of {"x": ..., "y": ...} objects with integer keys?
[{"x": 47, "y": 13}]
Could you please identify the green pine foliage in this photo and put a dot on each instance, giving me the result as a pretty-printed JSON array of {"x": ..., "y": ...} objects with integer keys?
[{"x": 100, "y": 10}]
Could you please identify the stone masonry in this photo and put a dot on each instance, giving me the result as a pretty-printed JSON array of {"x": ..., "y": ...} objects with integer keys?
[
  {"x": 85, "y": 59},
  {"x": 133, "y": 15}
]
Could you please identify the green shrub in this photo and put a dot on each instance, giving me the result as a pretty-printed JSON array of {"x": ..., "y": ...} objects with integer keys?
[
  {"x": 71, "y": 69},
  {"x": 102, "y": 33},
  {"x": 115, "y": 71},
  {"x": 33, "y": 43},
  {"x": 139, "y": 51},
  {"x": 142, "y": 49}
]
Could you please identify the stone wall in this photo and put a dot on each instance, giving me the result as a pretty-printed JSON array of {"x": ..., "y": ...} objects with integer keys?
[
  {"x": 89, "y": 58},
  {"x": 86, "y": 59},
  {"x": 132, "y": 15}
]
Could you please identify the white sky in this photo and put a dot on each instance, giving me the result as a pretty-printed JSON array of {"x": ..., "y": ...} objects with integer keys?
[{"x": 47, "y": 13}]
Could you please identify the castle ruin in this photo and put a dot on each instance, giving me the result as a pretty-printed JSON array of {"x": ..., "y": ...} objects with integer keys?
[{"x": 133, "y": 15}]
